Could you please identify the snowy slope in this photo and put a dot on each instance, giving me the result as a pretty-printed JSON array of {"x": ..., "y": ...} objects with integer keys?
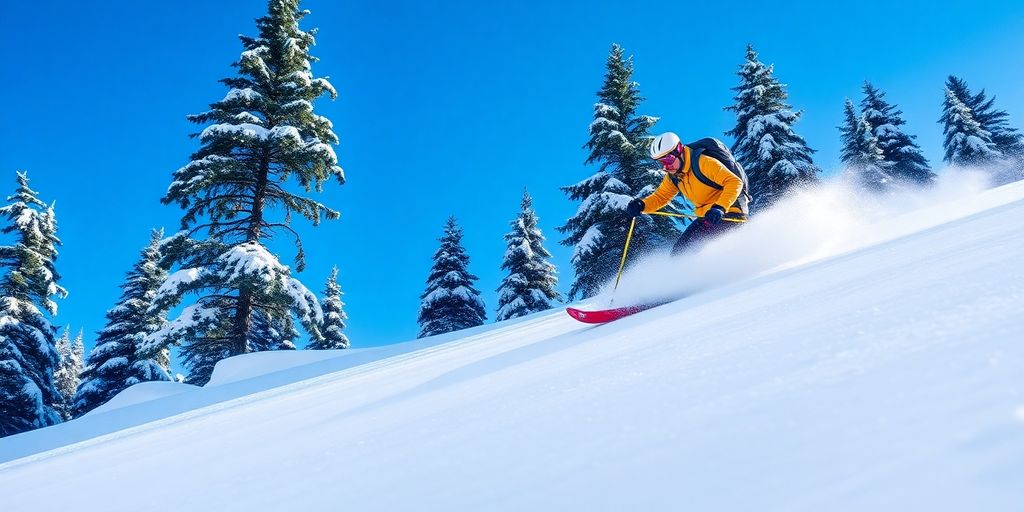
[{"x": 881, "y": 369}]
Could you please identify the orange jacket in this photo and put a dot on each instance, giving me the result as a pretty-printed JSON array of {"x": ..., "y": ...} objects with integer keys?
[{"x": 702, "y": 196}]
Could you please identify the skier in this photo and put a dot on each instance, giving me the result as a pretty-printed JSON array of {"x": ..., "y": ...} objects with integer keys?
[{"x": 713, "y": 181}]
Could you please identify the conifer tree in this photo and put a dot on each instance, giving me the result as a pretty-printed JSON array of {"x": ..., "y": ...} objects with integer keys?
[
  {"x": 29, "y": 397},
  {"x": 272, "y": 333},
  {"x": 774, "y": 156},
  {"x": 334, "y": 317},
  {"x": 1005, "y": 139},
  {"x": 120, "y": 358},
  {"x": 163, "y": 360},
  {"x": 450, "y": 302},
  {"x": 530, "y": 285},
  {"x": 264, "y": 136},
  {"x": 966, "y": 142},
  {"x": 861, "y": 152},
  {"x": 619, "y": 139},
  {"x": 66, "y": 378},
  {"x": 907, "y": 162}
]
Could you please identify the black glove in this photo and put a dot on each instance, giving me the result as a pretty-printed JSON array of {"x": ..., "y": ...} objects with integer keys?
[
  {"x": 714, "y": 215},
  {"x": 634, "y": 208}
]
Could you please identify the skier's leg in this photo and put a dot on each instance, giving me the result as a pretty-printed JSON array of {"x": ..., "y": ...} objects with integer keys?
[
  {"x": 692, "y": 237},
  {"x": 698, "y": 233}
]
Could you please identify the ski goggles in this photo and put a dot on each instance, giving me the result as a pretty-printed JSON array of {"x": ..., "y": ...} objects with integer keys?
[{"x": 668, "y": 160}]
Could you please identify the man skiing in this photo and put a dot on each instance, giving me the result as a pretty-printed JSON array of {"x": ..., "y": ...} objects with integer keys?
[{"x": 713, "y": 181}]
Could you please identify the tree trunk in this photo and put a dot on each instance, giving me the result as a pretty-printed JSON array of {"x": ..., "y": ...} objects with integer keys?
[{"x": 245, "y": 307}]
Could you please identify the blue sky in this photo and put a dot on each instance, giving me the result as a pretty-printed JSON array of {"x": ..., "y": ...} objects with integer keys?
[{"x": 444, "y": 109}]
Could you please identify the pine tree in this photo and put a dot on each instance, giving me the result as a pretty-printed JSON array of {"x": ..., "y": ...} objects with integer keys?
[
  {"x": 272, "y": 333},
  {"x": 29, "y": 397},
  {"x": 163, "y": 360},
  {"x": 861, "y": 152},
  {"x": 264, "y": 132},
  {"x": 619, "y": 139},
  {"x": 67, "y": 376},
  {"x": 450, "y": 302},
  {"x": 908, "y": 163},
  {"x": 120, "y": 358},
  {"x": 774, "y": 156},
  {"x": 530, "y": 285},
  {"x": 966, "y": 142},
  {"x": 334, "y": 317},
  {"x": 995, "y": 122}
]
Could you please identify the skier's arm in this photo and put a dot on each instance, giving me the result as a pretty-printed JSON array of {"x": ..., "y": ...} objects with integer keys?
[
  {"x": 731, "y": 184},
  {"x": 661, "y": 196}
]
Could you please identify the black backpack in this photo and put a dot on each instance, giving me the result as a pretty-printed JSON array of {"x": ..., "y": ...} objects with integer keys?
[{"x": 715, "y": 149}]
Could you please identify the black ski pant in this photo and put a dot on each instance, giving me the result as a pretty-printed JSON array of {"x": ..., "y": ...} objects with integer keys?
[{"x": 698, "y": 233}]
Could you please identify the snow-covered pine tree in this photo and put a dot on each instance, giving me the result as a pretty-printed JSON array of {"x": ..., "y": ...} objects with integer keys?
[
  {"x": 619, "y": 139},
  {"x": 907, "y": 162},
  {"x": 334, "y": 317},
  {"x": 163, "y": 360},
  {"x": 530, "y": 285},
  {"x": 264, "y": 132},
  {"x": 78, "y": 350},
  {"x": 67, "y": 376},
  {"x": 861, "y": 153},
  {"x": 119, "y": 358},
  {"x": 28, "y": 356},
  {"x": 450, "y": 302},
  {"x": 996, "y": 122},
  {"x": 272, "y": 333},
  {"x": 62, "y": 379},
  {"x": 966, "y": 142},
  {"x": 774, "y": 156},
  {"x": 265, "y": 333}
]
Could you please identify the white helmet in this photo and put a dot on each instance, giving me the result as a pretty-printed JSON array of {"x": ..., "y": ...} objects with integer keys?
[{"x": 664, "y": 144}]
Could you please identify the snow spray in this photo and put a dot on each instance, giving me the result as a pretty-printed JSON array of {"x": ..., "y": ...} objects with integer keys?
[{"x": 810, "y": 224}]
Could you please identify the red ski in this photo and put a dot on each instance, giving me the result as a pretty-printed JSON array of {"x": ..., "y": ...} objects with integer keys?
[{"x": 600, "y": 316}]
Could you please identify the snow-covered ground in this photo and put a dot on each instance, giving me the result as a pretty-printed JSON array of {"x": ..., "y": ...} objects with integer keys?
[{"x": 827, "y": 359}]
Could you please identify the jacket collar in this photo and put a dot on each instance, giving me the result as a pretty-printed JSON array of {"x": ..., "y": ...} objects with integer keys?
[{"x": 685, "y": 161}]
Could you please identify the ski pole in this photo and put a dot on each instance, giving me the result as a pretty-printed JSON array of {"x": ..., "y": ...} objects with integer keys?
[
  {"x": 691, "y": 217},
  {"x": 667, "y": 214},
  {"x": 629, "y": 236}
]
